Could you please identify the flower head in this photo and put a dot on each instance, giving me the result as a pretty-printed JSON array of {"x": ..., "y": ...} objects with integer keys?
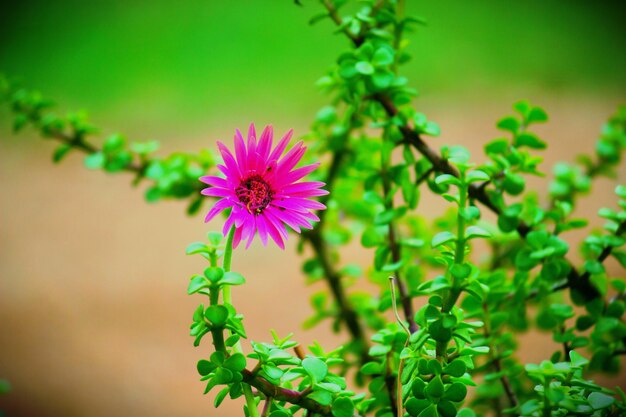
[{"x": 261, "y": 186}]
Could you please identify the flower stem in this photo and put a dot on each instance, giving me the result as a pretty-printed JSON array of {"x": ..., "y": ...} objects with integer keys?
[
  {"x": 228, "y": 255},
  {"x": 228, "y": 251},
  {"x": 247, "y": 392}
]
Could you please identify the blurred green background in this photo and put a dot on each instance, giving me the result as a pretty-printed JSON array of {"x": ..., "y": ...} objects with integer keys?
[
  {"x": 197, "y": 61},
  {"x": 93, "y": 310}
]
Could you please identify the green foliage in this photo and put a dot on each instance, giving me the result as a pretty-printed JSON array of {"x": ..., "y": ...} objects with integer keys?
[
  {"x": 479, "y": 283},
  {"x": 172, "y": 177}
]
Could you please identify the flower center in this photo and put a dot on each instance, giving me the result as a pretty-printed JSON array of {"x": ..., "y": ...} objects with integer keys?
[{"x": 255, "y": 193}]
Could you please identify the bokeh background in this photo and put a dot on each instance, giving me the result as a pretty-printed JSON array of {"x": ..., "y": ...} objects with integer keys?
[{"x": 93, "y": 311}]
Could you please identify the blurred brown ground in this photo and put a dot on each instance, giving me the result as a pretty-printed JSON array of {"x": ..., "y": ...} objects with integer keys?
[{"x": 93, "y": 307}]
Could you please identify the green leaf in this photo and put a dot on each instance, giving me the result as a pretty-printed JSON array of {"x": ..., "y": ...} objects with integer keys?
[
  {"x": 343, "y": 407},
  {"x": 223, "y": 376},
  {"x": 513, "y": 183},
  {"x": 434, "y": 367},
  {"x": 205, "y": 367},
  {"x": 598, "y": 400},
  {"x": 272, "y": 371},
  {"x": 144, "y": 148},
  {"x": 594, "y": 267},
  {"x": 530, "y": 140},
  {"x": 577, "y": 359},
  {"x": 432, "y": 129},
  {"x": 477, "y": 175},
  {"x": 220, "y": 396},
  {"x": 322, "y": 396},
  {"x": 529, "y": 407},
  {"x": 435, "y": 388},
  {"x": 387, "y": 216},
  {"x": 498, "y": 146},
  {"x": 466, "y": 412},
  {"x": 412, "y": 242},
  {"x": 415, "y": 406},
  {"x": 214, "y": 238},
  {"x": 371, "y": 238},
  {"x": 153, "y": 195},
  {"x": 371, "y": 368},
  {"x": 393, "y": 266},
  {"x": 461, "y": 271},
  {"x": 60, "y": 152},
  {"x": 456, "y": 368},
  {"x": 509, "y": 123},
  {"x": 364, "y": 68},
  {"x": 456, "y": 392},
  {"x": 95, "y": 160},
  {"x": 197, "y": 247},
  {"x": 235, "y": 362},
  {"x": 382, "y": 57},
  {"x": 19, "y": 122},
  {"x": 280, "y": 413},
  {"x": 536, "y": 115},
  {"x": 316, "y": 368},
  {"x": 315, "y": 19},
  {"x": 232, "y": 278},
  {"x": 470, "y": 213},
  {"x": 217, "y": 315},
  {"x": 476, "y": 231},
  {"x": 523, "y": 107},
  {"x": 195, "y": 206},
  {"x": 445, "y": 179},
  {"x": 442, "y": 238},
  {"x": 383, "y": 79},
  {"x": 113, "y": 143},
  {"x": 446, "y": 409},
  {"x": 197, "y": 283},
  {"x": 439, "y": 332},
  {"x": 430, "y": 411},
  {"x": 214, "y": 274}
]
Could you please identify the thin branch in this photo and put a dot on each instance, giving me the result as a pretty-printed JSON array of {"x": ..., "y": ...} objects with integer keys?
[
  {"x": 424, "y": 176},
  {"x": 399, "y": 403},
  {"x": 584, "y": 279},
  {"x": 347, "y": 313},
  {"x": 395, "y": 401},
  {"x": 495, "y": 360},
  {"x": 266, "y": 407},
  {"x": 77, "y": 141},
  {"x": 396, "y": 256},
  {"x": 334, "y": 15},
  {"x": 575, "y": 282},
  {"x": 283, "y": 394}
]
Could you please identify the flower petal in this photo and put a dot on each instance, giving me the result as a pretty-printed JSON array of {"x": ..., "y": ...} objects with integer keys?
[
  {"x": 265, "y": 143},
  {"x": 214, "y": 181},
  {"x": 217, "y": 208},
  {"x": 261, "y": 226},
  {"x": 237, "y": 237},
  {"x": 282, "y": 145},
  {"x": 254, "y": 161},
  {"x": 218, "y": 192},
  {"x": 291, "y": 159},
  {"x": 229, "y": 161},
  {"x": 297, "y": 174},
  {"x": 240, "y": 151},
  {"x": 286, "y": 218}
]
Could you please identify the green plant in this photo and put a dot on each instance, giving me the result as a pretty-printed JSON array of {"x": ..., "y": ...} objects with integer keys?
[{"x": 381, "y": 158}]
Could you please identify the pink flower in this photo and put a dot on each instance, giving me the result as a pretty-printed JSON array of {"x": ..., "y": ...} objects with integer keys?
[{"x": 261, "y": 187}]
